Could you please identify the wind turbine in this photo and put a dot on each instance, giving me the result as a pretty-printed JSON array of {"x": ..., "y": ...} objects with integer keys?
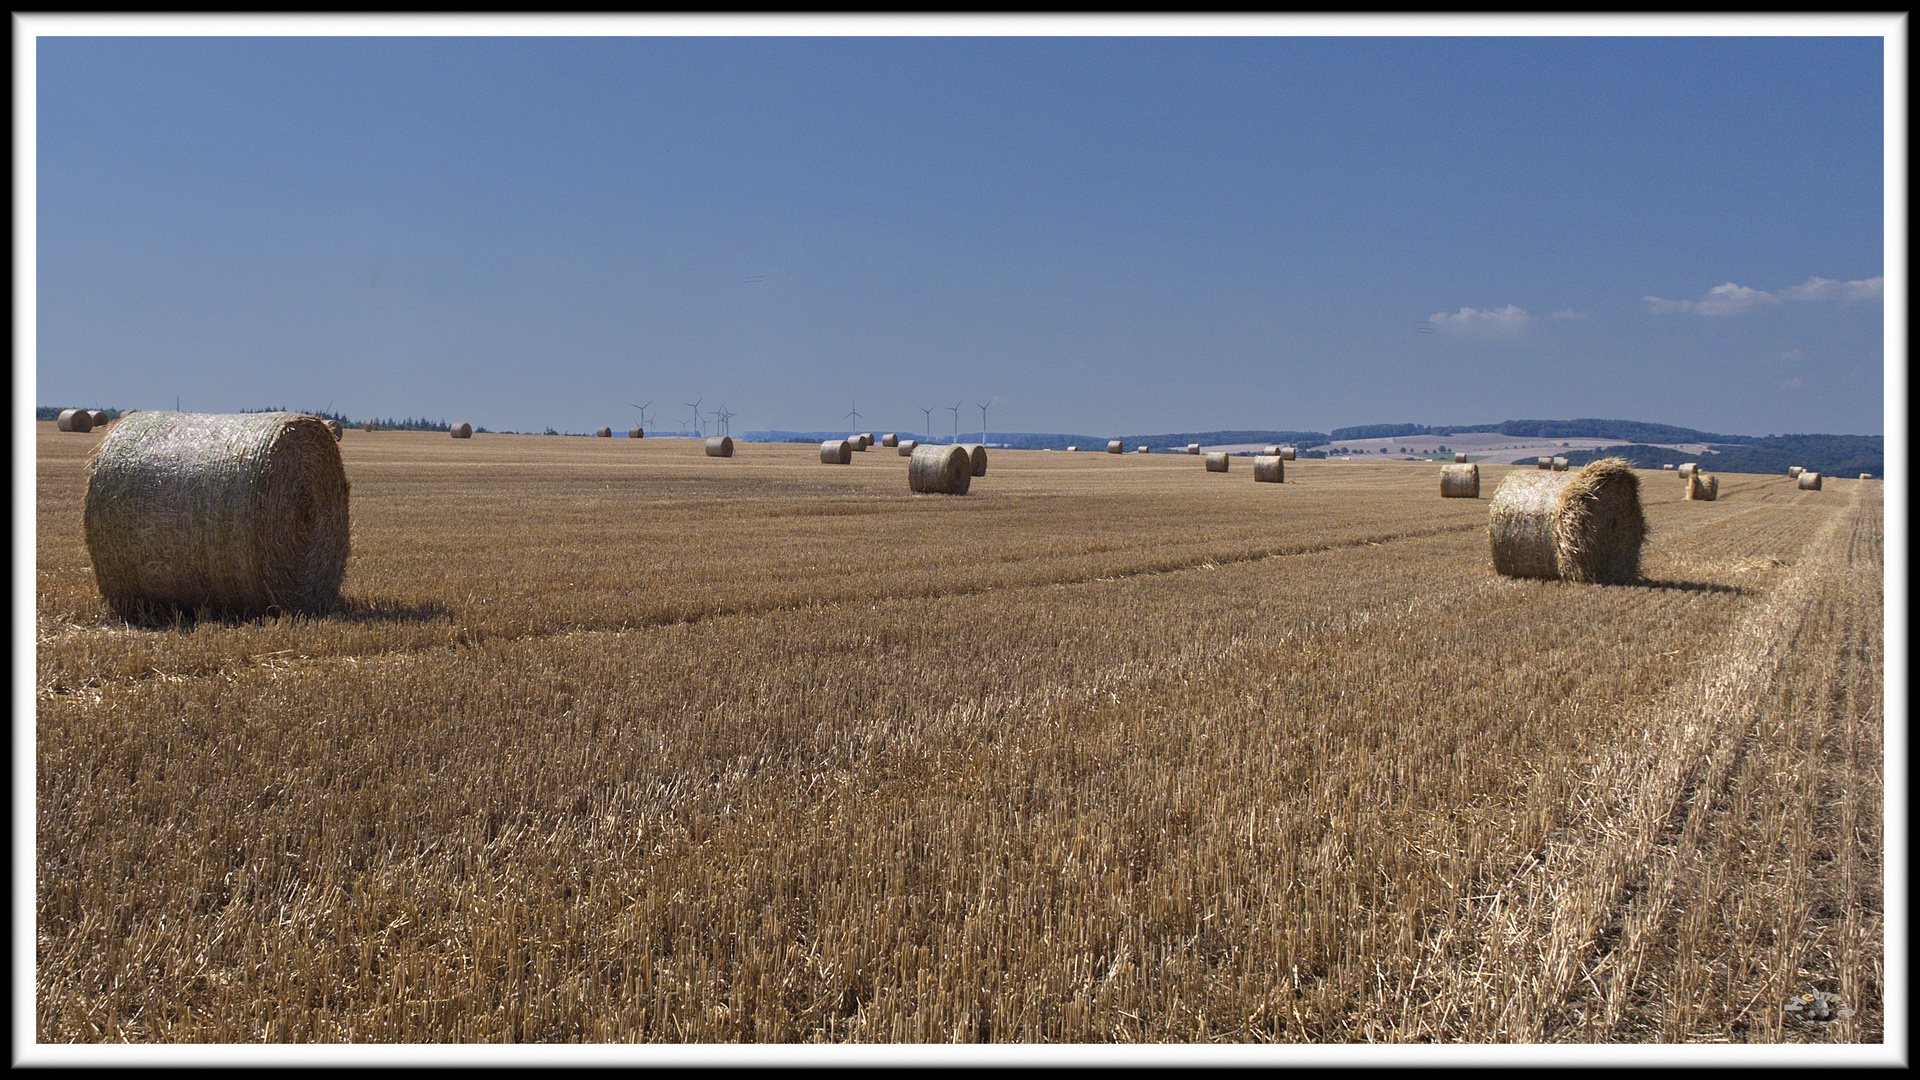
[
  {"x": 955, "y": 410},
  {"x": 643, "y": 412},
  {"x": 929, "y": 431},
  {"x": 695, "y": 406},
  {"x": 725, "y": 418},
  {"x": 983, "y": 423},
  {"x": 854, "y": 415}
]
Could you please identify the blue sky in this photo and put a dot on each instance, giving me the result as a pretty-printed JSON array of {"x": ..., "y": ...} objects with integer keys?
[{"x": 1163, "y": 229}]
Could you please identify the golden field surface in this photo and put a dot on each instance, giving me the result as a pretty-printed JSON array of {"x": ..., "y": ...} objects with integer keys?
[{"x": 613, "y": 742}]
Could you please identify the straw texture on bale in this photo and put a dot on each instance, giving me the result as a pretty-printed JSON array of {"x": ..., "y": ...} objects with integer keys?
[
  {"x": 976, "y": 458},
  {"x": 907, "y": 445},
  {"x": 237, "y": 514},
  {"x": 75, "y": 420},
  {"x": 890, "y": 440},
  {"x": 1286, "y": 453},
  {"x": 1560, "y": 464},
  {"x": 1809, "y": 481},
  {"x": 836, "y": 451},
  {"x": 604, "y": 433},
  {"x": 1216, "y": 463},
  {"x": 1269, "y": 469},
  {"x": 1584, "y": 526},
  {"x": 462, "y": 431},
  {"x": 636, "y": 433},
  {"x": 940, "y": 470},
  {"x": 1459, "y": 481},
  {"x": 1193, "y": 448},
  {"x": 1114, "y": 447},
  {"x": 720, "y": 446},
  {"x": 1702, "y": 487},
  {"x": 1459, "y": 459},
  {"x": 334, "y": 426}
]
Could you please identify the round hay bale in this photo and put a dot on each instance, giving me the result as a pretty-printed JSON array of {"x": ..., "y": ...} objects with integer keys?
[
  {"x": 836, "y": 451},
  {"x": 1544, "y": 463},
  {"x": 866, "y": 440},
  {"x": 720, "y": 446},
  {"x": 1701, "y": 487},
  {"x": 237, "y": 514},
  {"x": 1114, "y": 447},
  {"x": 941, "y": 470},
  {"x": 1560, "y": 464},
  {"x": 1458, "y": 481},
  {"x": 1866, "y": 476},
  {"x": 636, "y": 433},
  {"x": 1713, "y": 488},
  {"x": 976, "y": 458},
  {"x": 1582, "y": 526},
  {"x": 74, "y": 420},
  {"x": 1794, "y": 471},
  {"x": 334, "y": 426},
  {"x": 1286, "y": 453},
  {"x": 907, "y": 447},
  {"x": 1668, "y": 466},
  {"x": 1269, "y": 469},
  {"x": 1193, "y": 448},
  {"x": 890, "y": 440},
  {"x": 1689, "y": 468},
  {"x": 604, "y": 433},
  {"x": 1217, "y": 462},
  {"x": 1459, "y": 459},
  {"x": 1139, "y": 449},
  {"x": 1270, "y": 451},
  {"x": 461, "y": 431},
  {"x": 1809, "y": 481},
  {"x": 368, "y": 425}
]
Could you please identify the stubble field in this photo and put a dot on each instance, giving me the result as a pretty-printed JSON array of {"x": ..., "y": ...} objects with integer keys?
[{"x": 614, "y": 742}]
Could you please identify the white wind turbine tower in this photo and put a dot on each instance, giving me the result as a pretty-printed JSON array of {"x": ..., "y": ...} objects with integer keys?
[
  {"x": 955, "y": 410},
  {"x": 695, "y": 406},
  {"x": 983, "y": 423},
  {"x": 854, "y": 415},
  {"x": 929, "y": 431},
  {"x": 725, "y": 418},
  {"x": 643, "y": 412}
]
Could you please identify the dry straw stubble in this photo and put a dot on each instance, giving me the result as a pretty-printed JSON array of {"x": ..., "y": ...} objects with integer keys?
[
  {"x": 1460, "y": 481},
  {"x": 1584, "y": 526},
  {"x": 943, "y": 470},
  {"x": 238, "y": 514}
]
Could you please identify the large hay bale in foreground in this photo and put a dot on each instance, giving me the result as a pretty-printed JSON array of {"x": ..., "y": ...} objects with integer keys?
[
  {"x": 836, "y": 451},
  {"x": 1217, "y": 462},
  {"x": 1582, "y": 526},
  {"x": 237, "y": 514},
  {"x": 1269, "y": 469},
  {"x": 940, "y": 470},
  {"x": 907, "y": 447},
  {"x": 461, "y": 431},
  {"x": 1459, "y": 481},
  {"x": 720, "y": 446},
  {"x": 334, "y": 426},
  {"x": 74, "y": 420},
  {"x": 1114, "y": 447},
  {"x": 1459, "y": 459},
  {"x": 890, "y": 440},
  {"x": 1809, "y": 481},
  {"x": 976, "y": 458}
]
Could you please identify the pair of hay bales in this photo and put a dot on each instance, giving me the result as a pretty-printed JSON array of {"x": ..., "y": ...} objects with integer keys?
[
  {"x": 235, "y": 515},
  {"x": 720, "y": 446},
  {"x": 1460, "y": 481},
  {"x": 1794, "y": 471},
  {"x": 76, "y": 420},
  {"x": 940, "y": 470},
  {"x": 1701, "y": 487},
  {"x": 1584, "y": 526},
  {"x": 1284, "y": 453}
]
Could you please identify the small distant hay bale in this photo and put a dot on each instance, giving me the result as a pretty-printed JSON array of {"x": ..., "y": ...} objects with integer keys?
[
  {"x": 1114, "y": 447},
  {"x": 1560, "y": 464},
  {"x": 907, "y": 447},
  {"x": 1689, "y": 468},
  {"x": 1668, "y": 465},
  {"x": 1459, "y": 459},
  {"x": 1794, "y": 471},
  {"x": 1809, "y": 481},
  {"x": 604, "y": 433},
  {"x": 1269, "y": 469},
  {"x": 1072, "y": 449},
  {"x": 1702, "y": 488},
  {"x": 636, "y": 433},
  {"x": 940, "y": 470},
  {"x": 239, "y": 515},
  {"x": 368, "y": 425},
  {"x": 1217, "y": 462},
  {"x": 890, "y": 440},
  {"x": 334, "y": 426},
  {"x": 1866, "y": 476},
  {"x": 836, "y": 451},
  {"x": 976, "y": 458},
  {"x": 1286, "y": 453},
  {"x": 1460, "y": 481},
  {"x": 75, "y": 420},
  {"x": 462, "y": 431},
  {"x": 1584, "y": 526},
  {"x": 1193, "y": 448},
  {"x": 1544, "y": 463},
  {"x": 1139, "y": 449},
  {"x": 720, "y": 446},
  {"x": 99, "y": 418},
  {"x": 1271, "y": 451}
]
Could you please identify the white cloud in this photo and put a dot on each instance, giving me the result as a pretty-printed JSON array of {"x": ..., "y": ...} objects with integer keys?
[
  {"x": 1731, "y": 299},
  {"x": 1510, "y": 319}
]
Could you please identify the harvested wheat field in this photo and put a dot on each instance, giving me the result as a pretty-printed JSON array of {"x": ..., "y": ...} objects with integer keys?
[{"x": 1102, "y": 752}]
